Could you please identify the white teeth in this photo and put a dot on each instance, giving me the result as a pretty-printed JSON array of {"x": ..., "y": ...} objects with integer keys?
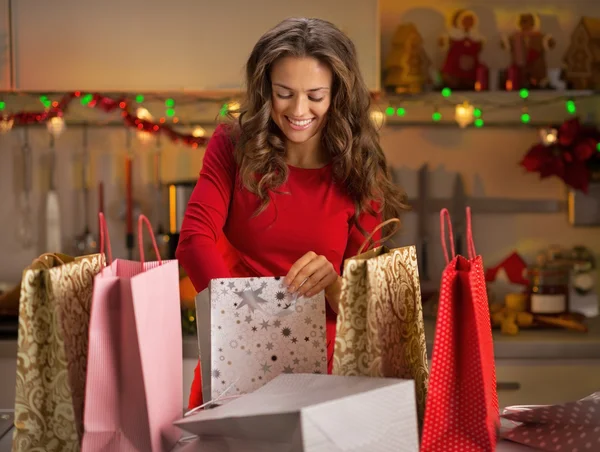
[{"x": 302, "y": 123}]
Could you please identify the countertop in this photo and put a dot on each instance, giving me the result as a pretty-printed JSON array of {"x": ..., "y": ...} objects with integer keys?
[
  {"x": 528, "y": 344},
  {"x": 541, "y": 343}
]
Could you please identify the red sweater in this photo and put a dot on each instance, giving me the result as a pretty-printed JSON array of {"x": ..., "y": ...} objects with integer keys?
[{"x": 220, "y": 238}]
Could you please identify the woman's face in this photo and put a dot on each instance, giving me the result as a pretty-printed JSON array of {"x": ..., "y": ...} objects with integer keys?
[{"x": 301, "y": 97}]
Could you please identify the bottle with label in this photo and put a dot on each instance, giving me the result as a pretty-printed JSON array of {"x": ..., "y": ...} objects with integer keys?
[{"x": 549, "y": 290}]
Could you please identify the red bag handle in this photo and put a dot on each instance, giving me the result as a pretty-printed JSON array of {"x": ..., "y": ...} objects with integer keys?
[
  {"x": 142, "y": 219},
  {"x": 445, "y": 220},
  {"x": 104, "y": 236},
  {"x": 470, "y": 242}
]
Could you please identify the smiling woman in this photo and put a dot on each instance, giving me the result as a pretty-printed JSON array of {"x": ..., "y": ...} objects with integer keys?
[
  {"x": 291, "y": 187},
  {"x": 301, "y": 99}
]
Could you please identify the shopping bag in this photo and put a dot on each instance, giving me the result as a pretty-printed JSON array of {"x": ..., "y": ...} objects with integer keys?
[
  {"x": 252, "y": 329},
  {"x": 54, "y": 311},
  {"x": 380, "y": 329},
  {"x": 462, "y": 404},
  {"x": 134, "y": 379},
  {"x": 313, "y": 413},
  {"x": 563, "y": 427}
]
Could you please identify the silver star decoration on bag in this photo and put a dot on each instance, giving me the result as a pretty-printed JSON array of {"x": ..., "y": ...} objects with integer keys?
[{"x": 251, "y": 298}]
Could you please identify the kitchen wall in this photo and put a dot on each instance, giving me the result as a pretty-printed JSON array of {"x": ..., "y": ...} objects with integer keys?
[{"x": 487, "y": 158}]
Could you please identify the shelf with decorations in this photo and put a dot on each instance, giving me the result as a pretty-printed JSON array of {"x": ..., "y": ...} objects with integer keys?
[{"x": 480, "y": 109}]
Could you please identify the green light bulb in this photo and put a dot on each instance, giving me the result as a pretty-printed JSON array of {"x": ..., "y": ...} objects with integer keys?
[
  {"x": 170, "y": 112},
  {"x": 524, "y": 93},
  {"x": 571, "y": 108},
  {"x": 446, "y": 92},
  {"x": 525, "y": 118},
  {"x": 139, "y": 98},
  {"x": 479, "y": 122},
  {"x": 477, "y": 113},
  {"x": 436, "y": 116},
  {"x": 400, "y": 111},
  {"x": 170, "y": 103},
  {"x": 390, "y": 111}
]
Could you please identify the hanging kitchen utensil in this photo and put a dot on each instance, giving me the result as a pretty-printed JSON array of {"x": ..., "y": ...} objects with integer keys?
[
  {"x": 423, "y": 231},
  {"x": 86, "y": 242},
  {"x": 53, "y": 242},
  {"x": 161, "y": 237},
  {"x": 24, "y": 214},
  {"x": 459, "y": 204}
]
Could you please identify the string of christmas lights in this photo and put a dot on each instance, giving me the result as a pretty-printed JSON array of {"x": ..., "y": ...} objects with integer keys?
[
  {"x": 138, "y": 118},
  {"x": 470, "y": 111}
]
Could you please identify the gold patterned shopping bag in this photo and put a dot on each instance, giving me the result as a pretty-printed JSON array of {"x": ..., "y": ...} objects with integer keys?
[
  {"x": 380, "y": 330},
  {"x": 54, "y": 310}
]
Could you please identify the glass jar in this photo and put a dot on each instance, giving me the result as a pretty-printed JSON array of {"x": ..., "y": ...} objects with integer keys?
[{"x": 549, "y": 290}]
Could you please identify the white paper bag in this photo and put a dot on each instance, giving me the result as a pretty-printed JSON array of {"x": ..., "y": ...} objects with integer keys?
[
  {"x": 250, "y": 330},
  {"x": 313, "y": 413}
]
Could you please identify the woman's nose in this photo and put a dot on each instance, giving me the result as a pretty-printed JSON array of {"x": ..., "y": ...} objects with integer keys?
[{"x": 300, "y": 107}]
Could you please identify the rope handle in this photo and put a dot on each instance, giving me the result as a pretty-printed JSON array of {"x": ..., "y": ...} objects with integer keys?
[
  {"x": 44, "y": 263},
  {"x": 369, "y": 238},
  {"x": 446, "y": 220},
  {"x": 142, "y": 219},
  {"x": 104, "y": 237}
]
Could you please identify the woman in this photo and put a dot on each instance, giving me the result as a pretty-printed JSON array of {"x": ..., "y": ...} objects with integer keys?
[{"x": 295, "y": 183}]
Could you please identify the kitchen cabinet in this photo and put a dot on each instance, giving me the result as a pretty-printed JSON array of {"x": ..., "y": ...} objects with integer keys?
[
  {"x": 153, "y": 45},
  {"x": 543, "y": 382},
  {"x": 4, "y": 47}
]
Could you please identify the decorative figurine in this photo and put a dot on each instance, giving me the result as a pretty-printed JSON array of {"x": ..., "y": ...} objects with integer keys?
[
  {"x": 581, "y": 61},
  {"x": 407, "y": 65},
  {"x": 462, "y": 69},
  {"x": 527, "y": 48}
]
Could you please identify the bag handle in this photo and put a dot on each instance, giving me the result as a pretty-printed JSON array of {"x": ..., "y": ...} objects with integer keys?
[
  {"x": 44, "y": 263},
  {"x": 104, "y": 237},
  {"x": 369, "y": 238},
  {"x": 470, "y": 242},
  {"x": 142, "y": 219},
  {"x": 446, "y": 220}
]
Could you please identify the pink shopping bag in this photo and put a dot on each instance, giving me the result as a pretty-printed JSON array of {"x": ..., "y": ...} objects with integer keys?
[{"x": 134, "y": 375}]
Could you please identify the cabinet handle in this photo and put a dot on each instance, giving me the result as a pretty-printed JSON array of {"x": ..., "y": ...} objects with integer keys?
[{"x": 508, "y": 386}]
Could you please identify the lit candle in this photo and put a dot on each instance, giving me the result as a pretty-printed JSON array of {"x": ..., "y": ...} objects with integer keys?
[
  {"x": 512, "y": 78},
  {"x": 482, "y": 77}
]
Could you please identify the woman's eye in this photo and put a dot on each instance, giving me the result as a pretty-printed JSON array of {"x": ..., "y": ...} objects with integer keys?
[
  {"x": 284, "y": 96},
  {"x": 313, "y": 99}
]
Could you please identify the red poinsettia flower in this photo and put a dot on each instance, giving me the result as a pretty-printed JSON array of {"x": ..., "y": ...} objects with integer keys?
[
  {"x": 567, "y": 159},
  {"x": 568, "y": 132}
]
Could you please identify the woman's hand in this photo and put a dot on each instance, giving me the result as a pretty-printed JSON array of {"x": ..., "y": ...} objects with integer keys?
[{"x": 311, "y": 274}]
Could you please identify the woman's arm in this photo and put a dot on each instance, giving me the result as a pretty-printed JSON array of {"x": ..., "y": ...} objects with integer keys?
[{"x": 206, "y": 213}]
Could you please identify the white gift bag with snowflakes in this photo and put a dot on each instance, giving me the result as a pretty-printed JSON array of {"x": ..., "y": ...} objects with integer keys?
[{"x": 251, "y": 330}]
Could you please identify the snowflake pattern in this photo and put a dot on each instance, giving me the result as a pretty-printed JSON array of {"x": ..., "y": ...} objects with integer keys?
[{"x": 261, "y": 331}]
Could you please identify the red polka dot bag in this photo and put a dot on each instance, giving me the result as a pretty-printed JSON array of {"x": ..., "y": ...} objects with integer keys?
[
  {"x": 572, "y": 426},
  {"x": 461, "y": 413}
]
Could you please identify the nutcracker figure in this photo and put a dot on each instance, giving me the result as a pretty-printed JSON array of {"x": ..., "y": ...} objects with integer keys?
[
  {"x": 462, "y": 69},
  {"x": 527, "y": 47}
]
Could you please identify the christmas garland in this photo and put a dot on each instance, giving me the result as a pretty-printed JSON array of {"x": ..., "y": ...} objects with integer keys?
[
  {"x": 570, "y": 151},
  {"x": 107, "y": 105}
]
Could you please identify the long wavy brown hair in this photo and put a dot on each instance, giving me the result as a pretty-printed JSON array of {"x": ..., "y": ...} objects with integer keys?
[{"x": 349, "y": 135}]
